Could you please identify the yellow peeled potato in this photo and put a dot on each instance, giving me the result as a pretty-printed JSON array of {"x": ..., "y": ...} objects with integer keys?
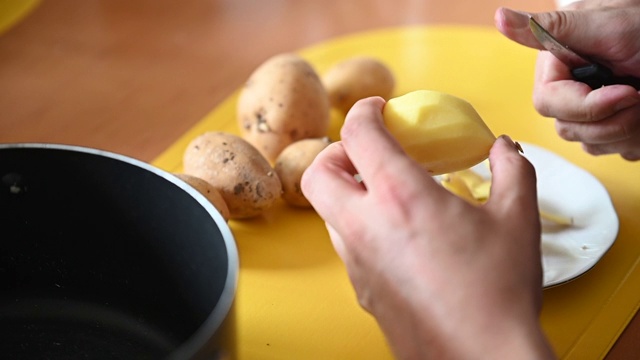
[
  {"x": 291, "y": 164},
  {"x": 357, "y": 78},
  {"x": 247, "y": 182},
  {"x": 442, "y": 132},
  {"x": 282, "y": 101},
  {"x": 209, "y": 191}
]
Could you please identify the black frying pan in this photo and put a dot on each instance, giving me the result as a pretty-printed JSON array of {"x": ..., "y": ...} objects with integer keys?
[{"x": 106, "y": 257}]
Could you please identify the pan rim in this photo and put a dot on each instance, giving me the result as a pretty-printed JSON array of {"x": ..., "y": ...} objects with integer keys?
[{"x": 190, "y": 347}]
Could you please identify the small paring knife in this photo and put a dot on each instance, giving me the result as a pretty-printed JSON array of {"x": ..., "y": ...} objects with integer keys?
[{"x": 584, "y": 70}]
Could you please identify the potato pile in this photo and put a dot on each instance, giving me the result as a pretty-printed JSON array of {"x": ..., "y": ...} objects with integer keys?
[{"x": 284, "y": 113}]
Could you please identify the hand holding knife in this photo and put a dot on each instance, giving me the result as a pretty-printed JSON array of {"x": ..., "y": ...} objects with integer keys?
[{"x": 584, "y": 70}]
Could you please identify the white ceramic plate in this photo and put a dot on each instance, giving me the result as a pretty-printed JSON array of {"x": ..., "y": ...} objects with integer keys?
[{"x": 567, "y": 190}]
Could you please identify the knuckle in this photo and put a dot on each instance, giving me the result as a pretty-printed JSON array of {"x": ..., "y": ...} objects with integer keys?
[
  {"x": 631, "y": 156},
  {"x": 590, "y": 114},
  {"x": 623, "y": 131},
  {"x": 593, "y": 149},
  {"x": 541, "y": 104},
  {"x": 392, "y": 195},
  {"x": 365, "y": 300},
  {"x": 560, "y": 23},
  {"x": 565, "y": 131},
  {"x": 349, "y": 128},
  {"x": 631, "y": 127}
]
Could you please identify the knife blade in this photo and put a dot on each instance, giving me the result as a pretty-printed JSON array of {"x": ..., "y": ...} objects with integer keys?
[{"x": 582, "y": 68}]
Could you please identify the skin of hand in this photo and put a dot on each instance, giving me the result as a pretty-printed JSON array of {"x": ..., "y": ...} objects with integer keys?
[
  {"x": 443, "y": 278},
  {"x": 604, "y": 120}
]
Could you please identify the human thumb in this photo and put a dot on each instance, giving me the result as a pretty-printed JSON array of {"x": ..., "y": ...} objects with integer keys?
[
  {"x": 515, "y": 26},
  {"x": 566, "y": 26},
  {"x": 583, "y": 30},
  {"x": 513, "y": 184}
]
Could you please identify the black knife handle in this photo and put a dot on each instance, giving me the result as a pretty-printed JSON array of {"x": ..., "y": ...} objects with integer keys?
[{"x": 597, "y": 76}]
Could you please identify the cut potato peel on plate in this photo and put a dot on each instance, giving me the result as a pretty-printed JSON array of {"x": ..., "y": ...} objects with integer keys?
[{"x": 474, "y": 188}]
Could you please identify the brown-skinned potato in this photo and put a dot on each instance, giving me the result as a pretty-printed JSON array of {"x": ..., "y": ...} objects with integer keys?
[
  {"x": 291, "y": 164},
  {"x": 282, "y": 101},
  {"x": 209, "y": 191},
  {"x": 245, "y": 179},
  {"x": 357, "y": 78}
]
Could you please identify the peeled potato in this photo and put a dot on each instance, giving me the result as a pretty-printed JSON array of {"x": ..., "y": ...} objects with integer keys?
[
  {"x": 291, "y": 164},
  {"x": 442, "y": 132},
  {"x": 357, "y": 78},
  {"x": 209, "y": 191}
]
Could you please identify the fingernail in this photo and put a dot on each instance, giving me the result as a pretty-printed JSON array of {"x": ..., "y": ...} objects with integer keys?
[
  {"x": 512, "y": 143},
  {"x": 517, "y": 19},
  {"x": 627, "y": 102},
  {"x": 518, "y": 147}
]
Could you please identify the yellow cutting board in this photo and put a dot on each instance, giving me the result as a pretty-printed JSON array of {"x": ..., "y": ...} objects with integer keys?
[
  {"x": 13, "y": 11},
  {"x": 294, "y": 300}
]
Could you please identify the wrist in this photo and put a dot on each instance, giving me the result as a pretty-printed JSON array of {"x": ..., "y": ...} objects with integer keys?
[
  {"x": 521, "y": 341},
  {"x": 497, "y": 338}
]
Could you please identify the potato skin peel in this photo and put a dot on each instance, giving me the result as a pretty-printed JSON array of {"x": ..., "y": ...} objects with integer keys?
[
  {"x": 245, "y": 179},
  {"x": 282, "y": 101}
]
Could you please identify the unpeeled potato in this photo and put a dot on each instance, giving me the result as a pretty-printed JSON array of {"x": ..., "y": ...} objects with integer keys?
[
  {"x": 209, "y": 191},
  {"x": 357, "y": 78},
  {"x": 282, "y": 101},
  {"x": 245, "y": 179},
  {"x": 291, "y": 164},
  {"x": 442, "y": 132}
]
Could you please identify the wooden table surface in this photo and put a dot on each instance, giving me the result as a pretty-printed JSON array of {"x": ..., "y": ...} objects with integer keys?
[{"x": 132, "y": 76}]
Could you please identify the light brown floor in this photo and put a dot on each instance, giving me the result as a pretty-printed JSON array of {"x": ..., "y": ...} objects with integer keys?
[{"x": 132, "y": 76}]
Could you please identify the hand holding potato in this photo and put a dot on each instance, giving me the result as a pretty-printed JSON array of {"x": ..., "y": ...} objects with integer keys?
[{"x": 443, "y": 278}]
